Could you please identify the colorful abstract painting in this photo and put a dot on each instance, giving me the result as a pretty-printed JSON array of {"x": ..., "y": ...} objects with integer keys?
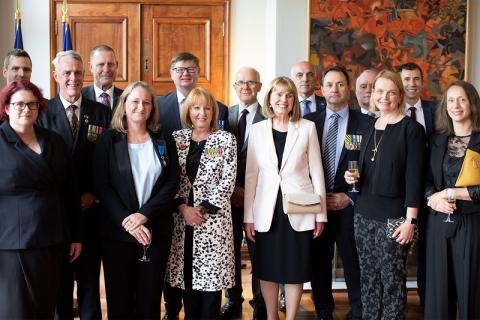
[{"x": 381, "y": 34}]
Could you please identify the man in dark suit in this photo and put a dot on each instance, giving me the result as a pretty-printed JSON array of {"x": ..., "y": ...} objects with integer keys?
[
  {"x": 241, "y": 117},
  {"x": 17, "y": 66},
  {"x": 79, "y": 121},
  {"x": 103, "y": 66},
  {"x": 424, "y": 112},
  {"x": 303, "y": 75},
  {"x": 184, "y": 71},
  {"x": 364, "y": 89},
  {"x": 339, "y": 229}
]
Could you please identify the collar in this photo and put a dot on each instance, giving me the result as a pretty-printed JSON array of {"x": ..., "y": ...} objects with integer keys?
[
  {"x": 99, "y": 91},
  {"x": 417, "y": 105},
  {"x": 342, "y": 113},
  {"x": 311, "y": 99},
  {"x": 66, "y": 104},
  {"x": 251, "y": 108}
]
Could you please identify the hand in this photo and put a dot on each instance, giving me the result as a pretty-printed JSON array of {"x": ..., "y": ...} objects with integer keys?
[
  {"x": 75, "y": 250},
  {"x": 238, "y": 197},
  {"x": 192, "y": 216},
  {"x": 438, "y": 202},
  {"x": 133, "y": 221},
  {"x": 338, "y": 201},
  {"x": 142, "y": 235},
  {"x": 250, "y": 231},
  {"x": 318, "y": 229},
  {"x": 404, "y": 233},
  {"x": 350, "y": 178},
  {"x": 87, "y": 199}
]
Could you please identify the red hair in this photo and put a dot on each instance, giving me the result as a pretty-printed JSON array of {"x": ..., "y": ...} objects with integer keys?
[{"x": 9, "y": 90}]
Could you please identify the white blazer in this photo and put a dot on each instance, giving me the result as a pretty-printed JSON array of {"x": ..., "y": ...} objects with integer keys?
[{"x": 301, "y": 171}]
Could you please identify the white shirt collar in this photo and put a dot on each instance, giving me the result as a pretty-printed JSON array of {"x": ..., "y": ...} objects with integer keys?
[
  {"x": 99, "y": 91},
  {"x": 66, "y": 104},
  {"x": 251, "y": 108},
  {"x": 180, "y": 97},
  {"x": 417, "y": 105}
]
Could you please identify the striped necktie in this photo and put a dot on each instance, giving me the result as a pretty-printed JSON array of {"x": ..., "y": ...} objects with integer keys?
[{"x": 330, "y": 151}]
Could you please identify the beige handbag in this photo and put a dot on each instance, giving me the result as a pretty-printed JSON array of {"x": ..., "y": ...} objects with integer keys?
[{"x": 302, "y": 202}]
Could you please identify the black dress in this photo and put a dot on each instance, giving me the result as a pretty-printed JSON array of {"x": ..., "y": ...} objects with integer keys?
[{"x": 282, "y": 254}]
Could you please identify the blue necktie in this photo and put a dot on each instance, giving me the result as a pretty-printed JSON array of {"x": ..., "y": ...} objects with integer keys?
[
  {"x": 330, "y": 151},
  {"x": 305, "y": 107}
]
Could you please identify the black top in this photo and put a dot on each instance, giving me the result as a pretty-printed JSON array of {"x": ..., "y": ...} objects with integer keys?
[
  {"x": 279, "y": 139},
  {"x": 193, "y": 161}
]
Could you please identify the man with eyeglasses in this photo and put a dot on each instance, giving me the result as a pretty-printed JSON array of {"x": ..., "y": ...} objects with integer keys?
[
  {"x": 103, "y": 66},
  {"x": 241, "y": 117},
  {"x": 79, "y": 121},
  {"x": 303, "y": 75},
  {"x": 184, "y": 71}
]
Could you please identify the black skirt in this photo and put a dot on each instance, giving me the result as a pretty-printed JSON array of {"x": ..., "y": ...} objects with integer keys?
[{"x": 282, "y": 254}]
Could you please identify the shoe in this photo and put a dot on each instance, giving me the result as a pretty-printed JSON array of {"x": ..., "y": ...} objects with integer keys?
[
  {"x": 230, "y": 311},
  {"x": 168, "y": 317},
  {"x": 282, "y": 305},
  {"x": 260, "y": 313}
]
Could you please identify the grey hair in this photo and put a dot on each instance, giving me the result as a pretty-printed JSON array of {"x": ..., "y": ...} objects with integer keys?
[
  {"x": 63, "y": 54},
  {"x": 15, "y": 53}
]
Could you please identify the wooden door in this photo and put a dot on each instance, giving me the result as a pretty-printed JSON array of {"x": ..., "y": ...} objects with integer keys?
[
  {"x": 114, "y": 24},
  {"x": 198, "y": 28}
]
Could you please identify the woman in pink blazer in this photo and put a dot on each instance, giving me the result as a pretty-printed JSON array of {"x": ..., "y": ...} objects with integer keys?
[{"x": 283, "y": 157}]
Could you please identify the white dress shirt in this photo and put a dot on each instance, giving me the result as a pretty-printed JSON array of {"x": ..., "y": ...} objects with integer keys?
[
  {"x": 252, "y": 110},
  {"x": 67, "y": 104},
  {"x": 418, "y": 110}
]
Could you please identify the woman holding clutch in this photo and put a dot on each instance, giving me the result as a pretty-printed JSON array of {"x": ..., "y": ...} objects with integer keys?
[
  {"x": 453, "y": 195},
  {"x": 283, "y": 158},
  {"x": 391, "y": 191}
]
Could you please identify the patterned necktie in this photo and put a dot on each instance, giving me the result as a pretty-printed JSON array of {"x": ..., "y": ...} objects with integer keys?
[
  {"x": 105, "y": 99},
  {"x": 413, "y": 113},
  {"x": 305, "y": 107},
  {"x": 73, "y": 119},
  {"x": 330, "y": 151},
  {"x": 242, "y": 128}
]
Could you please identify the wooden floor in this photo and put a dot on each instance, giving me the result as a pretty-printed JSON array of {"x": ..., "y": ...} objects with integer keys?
[{"x": 306, "y": 310}]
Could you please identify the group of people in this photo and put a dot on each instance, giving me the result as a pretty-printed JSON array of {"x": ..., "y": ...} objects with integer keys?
[{"x": 161, "y": 191}]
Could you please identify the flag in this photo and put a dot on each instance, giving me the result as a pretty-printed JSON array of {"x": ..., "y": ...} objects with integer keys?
[
  {"x": 18, "y": 44},
  {"x": 66, "y": 38}
]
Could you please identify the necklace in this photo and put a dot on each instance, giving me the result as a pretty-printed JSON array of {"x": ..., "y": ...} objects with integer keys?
[{"x": 375, "y": 145}]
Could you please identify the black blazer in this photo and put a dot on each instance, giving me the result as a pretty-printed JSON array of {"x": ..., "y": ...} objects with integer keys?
[
  {"x": 400, "y": 161},
  {"x": 39, "y": 201},
  {"x": 242, "y": 154},
  {"x": 89, "y": 93},
  {"x": 429, "y": 108},
  {"x": 170, "y": 113},
  {"x": 437, "y": 148},
  {"x": 357, "y": 124},
  {"x": 115, "y": 187},
  {"x": 320, "y": 102}
]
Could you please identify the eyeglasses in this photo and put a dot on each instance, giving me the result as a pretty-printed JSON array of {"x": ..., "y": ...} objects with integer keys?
[
  {"x": 181, "y": 70},
  {"x": 249, "y": 83},
  {"x": 20, "y": 106}
]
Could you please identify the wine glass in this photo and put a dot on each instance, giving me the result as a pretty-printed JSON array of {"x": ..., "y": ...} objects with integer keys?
[
  {"x": 144, "y": 257},
  {"x": 353, "y": 169},
  {"x": 450, "y": 199}
]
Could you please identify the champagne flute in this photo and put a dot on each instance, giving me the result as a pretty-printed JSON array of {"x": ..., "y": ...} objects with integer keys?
[
  {"x": 353, "y": 169},
  {"x": 144, "y": 257},
  {"x": 450, "y": 199}
]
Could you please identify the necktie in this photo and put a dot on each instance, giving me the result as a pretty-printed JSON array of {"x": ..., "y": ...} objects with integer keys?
[
  {"x": 105, "y": 99},
  {"x": 73, "y": 119},
  {"x": 305, "y": 107},
  {"x": 413, "y": 113},
  {"x": 330, "y": 151},
  {"x": 242, "y": 128}
]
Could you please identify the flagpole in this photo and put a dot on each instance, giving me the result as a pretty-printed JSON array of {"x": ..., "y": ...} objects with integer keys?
[
  {"x": 64, "y": 11},
  {"x": 17, "y": 13}
]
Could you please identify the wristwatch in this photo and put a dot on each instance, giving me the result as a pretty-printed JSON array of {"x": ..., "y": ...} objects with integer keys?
[{"x": 412, "y": 220}]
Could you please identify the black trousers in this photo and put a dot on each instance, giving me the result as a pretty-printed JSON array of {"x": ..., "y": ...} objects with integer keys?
[
  {"x": 29, "y": 282},
  {"x": 453, "y": 267},
  {"x": 201, "y": 305},
  {"x": 422, "y": 254},
  {"x": 339, "y": 230}
]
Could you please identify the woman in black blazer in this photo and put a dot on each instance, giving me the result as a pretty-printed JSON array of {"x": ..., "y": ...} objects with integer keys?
[
  {"x": 39, "y": 206},
  {"x": 453, "y": 260},
  {"x": 136, "y": 175},
  {"x": 391, "y": 188}
]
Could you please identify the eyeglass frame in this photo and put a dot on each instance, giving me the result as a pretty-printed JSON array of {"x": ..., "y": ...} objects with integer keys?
[
  {"x": 20, "y": 105},
  {"x": 181, "y": 70},
  {"x": 249, "y": 83}
]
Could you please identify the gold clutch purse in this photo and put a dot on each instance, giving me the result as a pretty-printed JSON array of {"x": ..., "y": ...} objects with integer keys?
[
  {"x": 301, "y": 203},
  {"x": 470, "y": 172}
]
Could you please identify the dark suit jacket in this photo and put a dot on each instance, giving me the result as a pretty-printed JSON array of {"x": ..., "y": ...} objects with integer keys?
[
  {"x": 80, "y": 147},
  {"x": 357, "y": 124},
  {"x": 241, "y": 154},
  {"x": 115, "y": 187},
  {"x": 437, "y": 148},
  {"x": 429, "y": 108},
  {"x": 39, "y": 201},
  {"x": 320, "y": 102},
  {"x": 170, "y": 113},
  {"x": 89, "y": 93}
]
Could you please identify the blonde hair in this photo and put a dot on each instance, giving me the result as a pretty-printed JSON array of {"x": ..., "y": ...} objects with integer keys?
[
  {"x": 119, "y": 119},
  {"x": 397, "y": 81},
  {"x": 199, "y": 96},
  {"x": 267, "y": 109}
]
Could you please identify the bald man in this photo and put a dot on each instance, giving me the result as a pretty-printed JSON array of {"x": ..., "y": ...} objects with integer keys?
[
  {"x": 303, "y": 75},
  {"x": 364, "y": 89}
]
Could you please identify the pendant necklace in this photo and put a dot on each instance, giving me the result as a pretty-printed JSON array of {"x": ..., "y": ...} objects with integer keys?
[{"x": 375, "y": 145}]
